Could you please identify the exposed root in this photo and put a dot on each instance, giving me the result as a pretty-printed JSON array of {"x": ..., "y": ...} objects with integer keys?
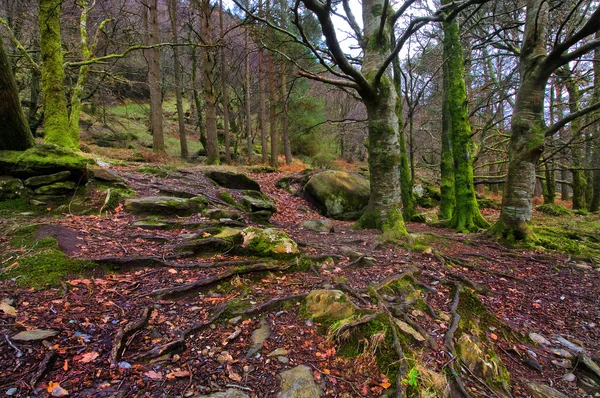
[
  {"x": 43, "y": 368},
  {"x": 124, "y": 333},
  {"x": 124, "y": 263},
  {"x": 345, "y": 288},
  {"x": 188, "y": 288},
  {"x": 409, "y": 273},
  {"x": 275, "y": 303},
  {"x": 402, "y": 366},
  {"x": 355, "y": 323}
]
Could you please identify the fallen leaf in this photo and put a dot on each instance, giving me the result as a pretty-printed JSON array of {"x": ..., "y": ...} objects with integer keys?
[
  {"x": 7, "y": 308},
  {"x": 66, "y": 365},
  {"x": 36, "y": 334},
  {"x": 493, "y": 336},
  {"x": 385, "y": 385},
  {"x": 180, "y": 373},
  {"x": 153, "y": 375},
  {"x": 89, "y": 357},
  {"x": 172, "y": 271}
]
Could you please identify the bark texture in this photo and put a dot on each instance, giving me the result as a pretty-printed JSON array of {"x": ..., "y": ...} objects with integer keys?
[{"x": 177, "y": 75}]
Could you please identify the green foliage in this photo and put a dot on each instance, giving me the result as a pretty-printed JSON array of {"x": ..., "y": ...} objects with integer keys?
[
  {"x": 411, "y": 379},
  {"x": 159, "y": 171},
  {"x": 553, "y": 209}
]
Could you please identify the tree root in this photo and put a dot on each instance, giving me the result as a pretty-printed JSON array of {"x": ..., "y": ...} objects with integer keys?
[
  {"x": 188, "y": 288},
  {"x": 43, "y": 368},
  {"x": 257, "y": 309},
  {"x": 345, "y": 288},
  {"x": 124, "y": 263},
  {"x": 360, "y": 321},
  {"x": 124, "y": 333}
]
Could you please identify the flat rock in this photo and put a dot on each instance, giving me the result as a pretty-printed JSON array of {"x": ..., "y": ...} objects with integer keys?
[
  {"x": 164, "y": 205},
  {"x": 57, "y": 188},
  {"x": 217, "y": 214},
  {"x": 66, "y": 238},
  {"x": 268, "y": 242},
  {"x": 318, "y": 225},
  {"x": 152, "y": 225},
  {"x": 11, "y": 188},
  {"x": 538, "y": 390},
  {"x": 329, "y": 303},
  {"x": 539, "y": 339},
  {"x": 105, "y": 175},
  {"x": 229, "y": 393},
  {"x": 298, "y": 382},
  {"x": 338, "y": 194},
  {"x": 38, "y": 181},
  {"x": 231, "y": 180},
  {"x": 36, "y": 334},
  {"x": 257, "y": 201},
  {"x": 259, "y": 336}
]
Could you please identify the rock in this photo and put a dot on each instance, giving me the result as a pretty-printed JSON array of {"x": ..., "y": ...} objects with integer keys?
[
  {"x": 259, "y": 336},
  {"x": 539, "y": 339},
  {"x": 329, "y": 303},
  {"x": 38, "y": 181},
  {"x": 36, "y": 334},
  {"x": 164, "y": 205},
  {"x": 44, "y": 160},
  {"x": 339, "y": 195},
  {"x": 406, "y": 328},
  {"x": 57, "y": 188},
  {"x": 568, "y": 345},
  {"x": 66, "y": 238},
  {"x": 478, "y": 359},
  {"x": 229, "y": 393},
  {"x": 350, "y": 252},
  {"x": 58, "y": 391},
  {"x": 11, "y": 391},
  {"x": 257, "y": 201},
  {"x": 151, "y": 225},
  {"x": 298, "y": 383},
  {"x": 318, "y": 225},
  {"x": 101, "y": 174},
  {"x": 538, "y": 390},
  {"x": 7, "y": 308},
  {"x": 562, "y": 363},
  {"x": 219, "y": 239},
  {"x": 278, "y": 352},
  {"x": 559, "y": 352},
  {"x": 228, "y": 179},
  {"x": 217, "y": 214},
  {"x": 285, "y": 360},
  {"x": 570, "y": 377},
  {"x": 268, "y": 242},
  {"x": 11, "y": 188}
]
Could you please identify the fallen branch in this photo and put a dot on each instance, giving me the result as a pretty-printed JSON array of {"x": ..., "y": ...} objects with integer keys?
[
  {"x": 124, "y": 333},
  {"x": 360, "y": 321},
  {"x": 148, "y": 261},
  {"x": 43, "y": 368}
]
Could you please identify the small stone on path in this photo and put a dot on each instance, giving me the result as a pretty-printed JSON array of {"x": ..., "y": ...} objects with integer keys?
[
  {"x": 298, "y": 383},
  {"x": 36, "y": 334},
  {"x": 259, "y": 336}
]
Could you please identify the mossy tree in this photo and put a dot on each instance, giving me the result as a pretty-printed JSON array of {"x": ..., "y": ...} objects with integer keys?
[
  {"x": 14, "y": 130},
  {"x": 465, "y": 215},
  {"x": 447, "y": 197},
  {"x": 595, "y": 202},
  {"x": 528, "y": 129}
]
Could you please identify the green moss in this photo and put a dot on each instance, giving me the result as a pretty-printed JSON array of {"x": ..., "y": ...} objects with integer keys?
[
  {"x": 553, "y": 209},
  {"x": 15, "y": 205},
  {"x": 226, "y": 197},
  {"x": 159, "y": 171},
  {"x": 269, "y": 242}
]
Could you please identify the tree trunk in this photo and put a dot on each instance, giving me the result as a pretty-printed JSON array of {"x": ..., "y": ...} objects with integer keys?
[
  {"x": 285, "y": 134},
  {"x": 595, "y": 203},
  {"x": 262, "y": 95},
  {"x": 224, "y": 93},
  {"x": 550, "y": 183},
  {"x": 14, "y": 130},
  {"x": 527, "y": 130},
  {"x": 208, "y": 65},
  {"x": 249, "y": 145},
  {"x": 384, "y": 208},
  {"x": 273, "y": 113},
  {"x": 177, "y": 74},
  {"x": 466, "y": 216},
  {"x": 150, "y": 14},
  {"x": 56, "y": 116},
  {"x": 197, "y": 101}
]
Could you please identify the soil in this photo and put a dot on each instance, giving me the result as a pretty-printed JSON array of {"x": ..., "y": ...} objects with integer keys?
[{"x": 530, "y": 291}]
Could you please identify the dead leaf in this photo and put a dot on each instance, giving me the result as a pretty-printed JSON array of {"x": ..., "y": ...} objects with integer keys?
[
  {"x": 172, "y": 271},
  {"x": 153, "y": 375},
  {"x": 66, "y": 365},
  {"x": 385, "y": 385},
  {"x": 89, "y": 357},
  {"x": 180, "y": 373},
  {"x": 493, "y": 336},
  {"x": 7, "y": 308}
]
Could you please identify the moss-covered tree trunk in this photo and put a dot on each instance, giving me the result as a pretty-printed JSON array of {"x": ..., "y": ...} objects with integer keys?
[
  {"x": 447, "y": 197},
  {"x": 56, "y": 116},
  {"x": 14, "y": 130},
  {"x": 384, "y": 208},
  {"x": 549, "y": 184},
  {"x": 595, "y": 202},
  {"x": 247, "y": 98},
  {"x": 224, "y": 92},
  {"x": 197, "y": 99},
  {"x": 466, "y": 216},
  {"x": 177, "y": 77},
  {"x": 527, "y": 128}
]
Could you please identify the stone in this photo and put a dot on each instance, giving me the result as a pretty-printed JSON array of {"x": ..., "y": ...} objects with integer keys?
[
  {"x": 539, "y": 339},
  {"x": 7, "y": 308},
  {"x": 217, "y": 214},
  {"x": 329, "y": 303},
  {"x": 11, "y": 391},
  {"x": 559, "y": 352},
  {"x": 259, "y": 336},
  {"x": 11, "y": 188},
  {"x": 318, "y": 225},
  {"x": 298, "y": 382},
  {"x": 268, "y": 242},
  {"x": 350, "y": 252},
  {"x": 151, "y": 225},
  {"x": 67, "y": 239},
  {"x": 482, "y": 363},
  {"x": 38, "y": 181},
  {"x": 36, "y": 334},
  {"x": 338, "y": 194},
  {"x": 406, "y": 328},
  {"x": 278, "y": 352},
  {"x": 568, "y": 345},
  {"x": 229, "y": 393},
  {"x": 105, "y": 175},
  {"x": 231, "y": 180},
  {"x": 538, "y": 390},
  {"x": 163, "y": 205},
  {"x": 57, "y": 188},
  {"x": 570, "y": 377},
  {"x": 257, "y": 201}
]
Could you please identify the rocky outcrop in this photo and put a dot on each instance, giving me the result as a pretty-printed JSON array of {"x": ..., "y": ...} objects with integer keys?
[
  {"x": 231, "y": 180},
  {"x": 318, "y": 225},
  {"x": 165, "y": 205},
  {"x": 339, "y": 195}
]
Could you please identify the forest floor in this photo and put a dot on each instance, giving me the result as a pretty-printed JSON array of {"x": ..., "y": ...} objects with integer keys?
[{"x": 530, "y": 291}]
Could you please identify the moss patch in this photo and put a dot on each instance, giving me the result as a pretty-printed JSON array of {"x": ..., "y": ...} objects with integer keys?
[{"x": 553, "y": 209}]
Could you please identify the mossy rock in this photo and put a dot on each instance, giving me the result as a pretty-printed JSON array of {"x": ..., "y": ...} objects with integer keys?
[
  {"x": 257, "y": 201},
  {"x": 318, "y": 225},
  {"x": 164, "y": 206},
  {"x": 553, "y": 209},
  {"x": 231, "y": 180},
  {"x": 426, "y": 196},
  {"x": 338, "y": 194},
  {"x": 12, "y": 188},
  {"x": 268, "y": 242},
  {"x": 329, "y": 304},
  {"x": 38, "y": 181},
  {"x": 44, "y": 160},
  {"x": 215, "y": 239},
  {"x": 57, "y": 188},
  {"x": 298, "y": 382},
  {"x": 217, "y": 214}
]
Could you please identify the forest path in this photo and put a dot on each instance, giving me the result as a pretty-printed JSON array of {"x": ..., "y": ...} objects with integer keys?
[{"x": 181, "y": 347}]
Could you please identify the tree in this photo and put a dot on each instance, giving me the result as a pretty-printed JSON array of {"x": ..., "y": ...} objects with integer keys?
[
  {"x": 224, "y": 93},
  {"x": 528, "y": 131},
  {"x": 14, "y": 130},
  {"x": 177, "y": 75}
]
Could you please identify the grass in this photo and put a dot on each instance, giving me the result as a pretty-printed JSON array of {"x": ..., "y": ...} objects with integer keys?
[{"x": 577, "y": 235}]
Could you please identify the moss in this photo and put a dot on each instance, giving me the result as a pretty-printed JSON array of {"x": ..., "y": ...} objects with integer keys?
[
  {"x": 159, "y": 171},
  {"x": 269, "y": 242},
  {"x": 553, "y": 209},
  {"x": 226, "y": 197},
  {"x": 15, "y": 205}
]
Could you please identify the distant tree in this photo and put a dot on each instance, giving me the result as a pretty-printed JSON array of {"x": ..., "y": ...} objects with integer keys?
[
  {"x": 177, "y": 76},
  {"x": 14, "y": 130}
]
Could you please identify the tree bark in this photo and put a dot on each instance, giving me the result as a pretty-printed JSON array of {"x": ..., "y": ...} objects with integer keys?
[
  {"x": 56, "y": 116},
  {"x": 197, "y": 100},
  {"x": 249, "y": 145},
  {"x": 595, "y": 202},
  {"x": 224, "y": 93},
  {"x": 272, "y": 112},
  {"x": 150, "y": 19},
  {"x": 177, "y": 75},
  {"x": 14, "y": 130},
  {"x": 262, "y": 95},
  {"x": 285, "y": 134}
]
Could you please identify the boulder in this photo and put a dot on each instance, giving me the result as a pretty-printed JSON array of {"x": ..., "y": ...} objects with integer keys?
[
  {"x": 267, "y": 242},
  {"x": 104, "y": 175},
  {"x": 298, "y": 382},
  {"x": 330, "y": 304},
  {"x": 538, "y": 390},
  {"x": 44, "y": 160},
  {"x": 164, "y": 205},
  {"x": 257, "y": 201},
  {"x": 338, "y": 194},
  {"x": 217, "y": 214},
  {"x": 57, "y": 188},
  {"x": 11, "y": 188},
  {"x": 318, "y": 225},
  {"x": 231, "y": 180},
  {"x": 38, "y": 181}
]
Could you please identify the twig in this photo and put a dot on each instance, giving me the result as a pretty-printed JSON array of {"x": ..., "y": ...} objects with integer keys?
[
  {"x": 43, "y": 368},
  {"x": 10, "y": 343},
  {"x": 124, "y": 333}
]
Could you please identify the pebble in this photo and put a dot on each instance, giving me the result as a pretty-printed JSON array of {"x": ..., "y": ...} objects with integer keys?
[
  {"x": 539, "y": 339},
  {"x": 278, "y": 352},
  {"x": 559, "y": 352},
  {"x": 124, "y": 365},
  {"x": 235, "y": 320},
  {"x": 569, "y": 377},
  {"x": 11, "y": 391},
  {"x": 283, "y": 359},
  {"x": 563, "y": 363}
]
